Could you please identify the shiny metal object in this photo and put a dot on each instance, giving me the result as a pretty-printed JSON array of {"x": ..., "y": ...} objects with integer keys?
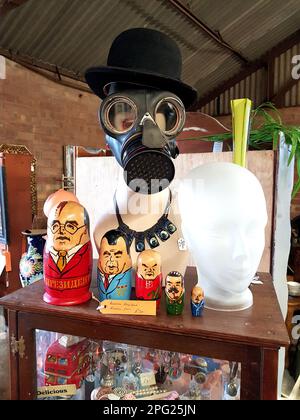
[{"x": 232, "y": 388}]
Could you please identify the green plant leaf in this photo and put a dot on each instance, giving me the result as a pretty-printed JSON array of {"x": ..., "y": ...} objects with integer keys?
[
  {"x": 297, "y": 156},
  {"x": 296, "y": 188},
  {"x": 266, "y": 125}
]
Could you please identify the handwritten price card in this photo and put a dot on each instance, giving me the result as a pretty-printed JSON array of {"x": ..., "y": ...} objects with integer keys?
[{"x": 128, "y": 307}]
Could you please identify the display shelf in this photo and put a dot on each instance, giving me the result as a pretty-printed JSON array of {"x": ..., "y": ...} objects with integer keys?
[{"x": 251, "y": 337}]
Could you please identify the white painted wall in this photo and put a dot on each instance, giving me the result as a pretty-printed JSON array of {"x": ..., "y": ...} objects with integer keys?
[{"x": 282, "y": 237}]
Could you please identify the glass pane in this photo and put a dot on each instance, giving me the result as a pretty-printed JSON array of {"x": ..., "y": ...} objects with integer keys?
[
  {"x": 70, "y": 367},
  {"x": 166, "y": 116},
  {"x": 121, "y": 116}
]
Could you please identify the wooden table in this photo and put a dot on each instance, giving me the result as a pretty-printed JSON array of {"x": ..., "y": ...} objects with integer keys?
[{"x": 252, "y": 337}]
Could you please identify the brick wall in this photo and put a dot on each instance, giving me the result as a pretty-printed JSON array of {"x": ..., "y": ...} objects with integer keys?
[{"x": 45, "y": 116}]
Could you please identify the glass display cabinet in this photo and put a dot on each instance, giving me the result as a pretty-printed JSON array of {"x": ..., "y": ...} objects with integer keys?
[
  {"x": 70, "y": 367},
  {"x": 88, "y": 355}
]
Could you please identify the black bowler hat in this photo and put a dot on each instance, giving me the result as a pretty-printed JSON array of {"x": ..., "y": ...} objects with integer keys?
[{"x": 145, "y": 57}]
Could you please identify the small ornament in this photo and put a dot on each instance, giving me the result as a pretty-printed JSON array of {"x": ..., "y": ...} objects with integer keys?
[
  {"x": 175, "y": 370},
  {"x": 31, "y": 263},
  {"x": 174, "y": 293},
  {"x": 197, "y": 301},
  {"x": 200, "y": 377},
  {"x": 137, "y": 366},
  {"x": 109, "y": 379},
  {"x": 182, "y": 244},
  {"x": 161, "y": 374},
  {"x": 130, "y": 382},
  {"x": 114, "y": 273},
  {"x": 148, "y": 281},
  {"x": 67, "y": 255}
]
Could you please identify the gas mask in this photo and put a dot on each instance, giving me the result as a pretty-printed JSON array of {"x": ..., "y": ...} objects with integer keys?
[{"x": 141, "y": 126}]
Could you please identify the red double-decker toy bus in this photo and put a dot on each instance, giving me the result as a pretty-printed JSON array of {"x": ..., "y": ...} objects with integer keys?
[{"x": 67, "y": 365}]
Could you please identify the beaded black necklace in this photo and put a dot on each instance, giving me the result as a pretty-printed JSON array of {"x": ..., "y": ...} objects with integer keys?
[{"x": 162, "y": 230}]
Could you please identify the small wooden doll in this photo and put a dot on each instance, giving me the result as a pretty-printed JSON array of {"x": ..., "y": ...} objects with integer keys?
[
  {"x": 197, "y": 300},
  {"x": 67, "y": 255},
  {"x": 174, "y": 293},
  {"x": 114, "y": 273},
  {"x": 148, "y": 280}
]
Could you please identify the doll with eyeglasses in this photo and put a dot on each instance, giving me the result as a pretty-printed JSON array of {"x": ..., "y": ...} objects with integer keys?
[{"x": 67, "y": 255}]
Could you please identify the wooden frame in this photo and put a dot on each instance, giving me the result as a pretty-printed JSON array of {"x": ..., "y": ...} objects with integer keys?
[
  {"x": 4, "y": 233},
  {"x": 19, "y": 165},
  {"x": 16, "y": 149}
]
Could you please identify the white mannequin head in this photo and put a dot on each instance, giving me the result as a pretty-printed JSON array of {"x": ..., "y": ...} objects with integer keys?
[{"x": 224, "y": 215}]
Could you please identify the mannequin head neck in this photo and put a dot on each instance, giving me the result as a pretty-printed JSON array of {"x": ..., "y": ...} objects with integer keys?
[
  {"x": 224, "y": 216},
  {"x": 136, "y": 203}
]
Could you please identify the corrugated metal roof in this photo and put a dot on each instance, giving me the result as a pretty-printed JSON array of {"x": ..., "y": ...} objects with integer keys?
[
  {"x": 255, "y": 88},
  {"x": 77, "y": 34}
]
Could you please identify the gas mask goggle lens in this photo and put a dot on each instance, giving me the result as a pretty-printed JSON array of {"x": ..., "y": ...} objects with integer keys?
[
  {"x": 121, "y": 115},
  {"x": 141, "y": 127}
]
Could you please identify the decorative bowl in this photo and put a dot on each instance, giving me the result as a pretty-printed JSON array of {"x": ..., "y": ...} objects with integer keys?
[{"x": 294, "y": 288}]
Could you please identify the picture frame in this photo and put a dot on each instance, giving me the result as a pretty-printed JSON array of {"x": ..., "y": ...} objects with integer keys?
[{"x": 4, "y": 234}]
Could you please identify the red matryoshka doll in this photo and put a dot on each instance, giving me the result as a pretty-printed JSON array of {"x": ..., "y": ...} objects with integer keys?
[
  {"x": 148, "y": 280},
  {"x": 67, "y": 255}
]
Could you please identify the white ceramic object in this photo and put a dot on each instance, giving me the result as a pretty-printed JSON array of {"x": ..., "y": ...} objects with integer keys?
[
  {"x": 224, "y": 215},
  {"x": 294, "y": 288}
]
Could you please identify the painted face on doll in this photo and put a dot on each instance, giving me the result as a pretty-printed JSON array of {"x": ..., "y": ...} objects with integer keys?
[
  {"x": 149, "y": 264},
  {"x": 67, "y": 226},
  {"x": 197, "y": 294},
  {"x": 174, "y": 286},
  {"x": 113, "y": 257}
]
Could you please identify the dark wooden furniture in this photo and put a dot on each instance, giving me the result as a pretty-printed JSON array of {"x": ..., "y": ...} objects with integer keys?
[
  {"x": 196, "y": 125},
  {"x": 252, "y": 337},
  {"x": 18, "y": 165},
  {"x": 295, "y": 258},
  {"x": 293, "y": 306}
]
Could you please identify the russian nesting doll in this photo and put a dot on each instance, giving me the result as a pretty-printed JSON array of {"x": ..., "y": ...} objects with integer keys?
[
  {"x": 67, "y": 255},
  {"x": 174, "y": 293},
  {"x": 114, "y": 273},
  {"x": 197, "y": 300},
  {"x": 148, "y": 280}
]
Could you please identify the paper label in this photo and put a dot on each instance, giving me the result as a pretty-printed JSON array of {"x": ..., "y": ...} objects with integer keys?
[
  {"x": 218, "y": 147},
  {"x": 2, "y": 68},
  {"x": 147, "y": 379},
  {"x": 128, "y": 307},
  {"x": 56, "y": 391},
  {"x": 182, "y": 244},
  {"x": 2, "y": 263}
]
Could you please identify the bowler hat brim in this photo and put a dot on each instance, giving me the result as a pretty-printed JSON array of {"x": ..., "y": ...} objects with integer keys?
[{"x": 99, "y": 77}]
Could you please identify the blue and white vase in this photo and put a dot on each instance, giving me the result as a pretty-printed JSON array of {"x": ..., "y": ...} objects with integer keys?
[{"x": 31, "y": 263}]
